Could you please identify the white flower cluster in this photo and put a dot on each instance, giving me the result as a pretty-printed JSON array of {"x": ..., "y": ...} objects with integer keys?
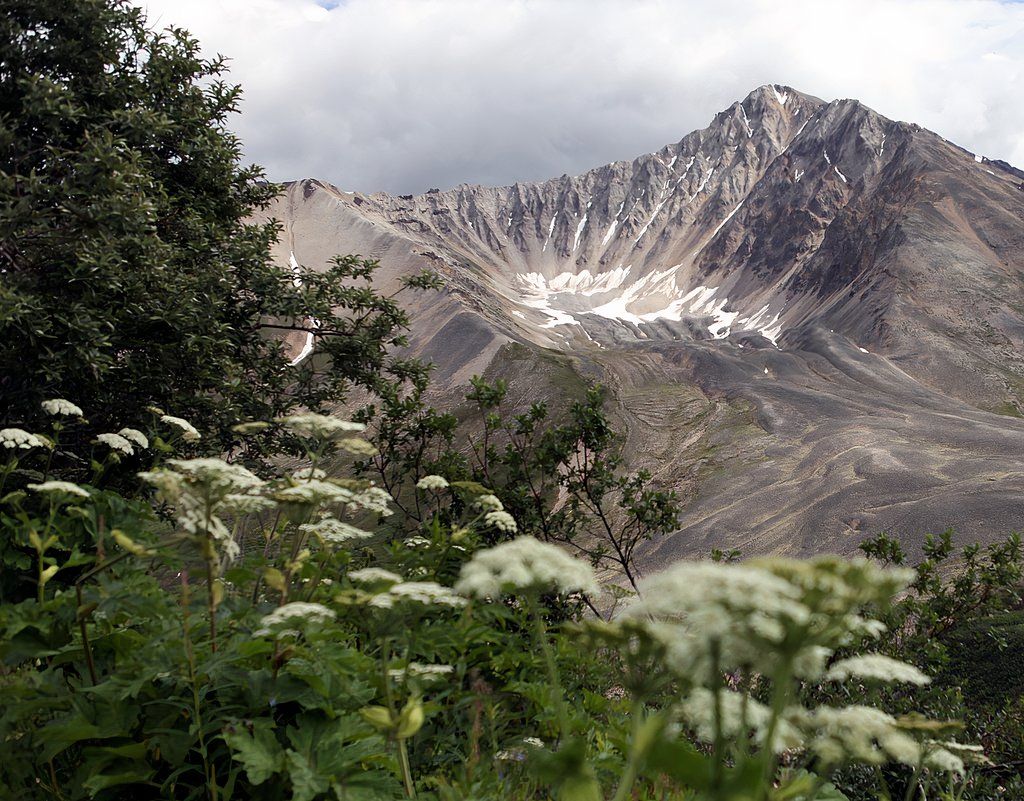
[
  {"x": 415, "y": 670},
  {"x": 857, "y": 733},
  {"x": 334, "y": 531},
  {"x": 432, "y": 483},
  {"x": 216, "y": 474},
  {"x": 319, "y": 425},
  {"x": 203, "y": 489},
  {"x": 58, "y": 407},
  {"x": 428, "y": 593},
  {"x": 502, "y": 521},
  {"x": 744, "y": 611},
  {"x": 306, "y": 473},
  {"x": 188, "y": 431},
  {"x": 290, "y": 614},
  {"x": 876, "y": 667},
  {"x": 488, "y": 503},
  {"x": 134, "y": 436},
  {"x": 17, "y": 438},
  {"x": 374, "y": 575},
  {"x": 116, "y": 443},
  {"x": 748, "y": 611},
  {"x": 524, "y": 564},
  {"x": 739, "y": 714},
  {"x": 60, "y": 488},
  {"x": 316, "y": 491}
]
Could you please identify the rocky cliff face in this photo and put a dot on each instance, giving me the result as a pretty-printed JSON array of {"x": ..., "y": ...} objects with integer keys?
[{"x": 808, "y": 314}]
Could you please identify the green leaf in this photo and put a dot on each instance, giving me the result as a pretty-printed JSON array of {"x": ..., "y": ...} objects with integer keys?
[{"x": 258, "y": 751}]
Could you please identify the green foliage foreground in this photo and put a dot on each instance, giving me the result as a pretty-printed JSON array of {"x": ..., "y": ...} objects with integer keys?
[{"x": 277, "y": 638}]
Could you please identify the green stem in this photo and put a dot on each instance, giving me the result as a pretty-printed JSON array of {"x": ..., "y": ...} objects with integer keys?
[
  {"x": 912, "y": 784},
  {"x": 403, "y": 760},
  {"x": 208, "y": 768},
  {"x": 780, "y": 695},
  {"x": 632, "y": 770},
  {"x": 540, "y": 633}
]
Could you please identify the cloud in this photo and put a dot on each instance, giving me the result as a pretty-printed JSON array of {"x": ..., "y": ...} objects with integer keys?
[{"x": 402, "y": 95}]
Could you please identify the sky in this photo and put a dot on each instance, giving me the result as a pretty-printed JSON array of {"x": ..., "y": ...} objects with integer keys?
[{"x": 404, "y": 95}]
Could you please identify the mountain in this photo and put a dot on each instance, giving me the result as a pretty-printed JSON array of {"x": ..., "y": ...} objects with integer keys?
[{"x": 810, "y": 317}]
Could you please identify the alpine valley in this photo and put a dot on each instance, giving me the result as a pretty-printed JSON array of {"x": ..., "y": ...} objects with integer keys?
[{"x": 809, "y": 317}]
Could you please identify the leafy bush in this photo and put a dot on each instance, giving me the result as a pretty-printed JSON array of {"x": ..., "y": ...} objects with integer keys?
[{"x": 131, "y": 274}]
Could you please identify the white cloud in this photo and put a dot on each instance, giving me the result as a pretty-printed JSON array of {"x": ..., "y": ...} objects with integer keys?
[{"x": 405, "y": 94}]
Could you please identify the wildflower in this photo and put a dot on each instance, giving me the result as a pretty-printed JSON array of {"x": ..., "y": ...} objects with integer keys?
[
  {"x": 374, "y": 575},
  {"x": 429, "y": 593},
  {"x": 250, "y": 428},
  {"x": 306, "y": 473},
  {"x": 417, "y": 541},
  {"x": 488, "y": 503},
  {"x": 319, "y": 425},
  {"x": 238, "y": 504},
  {"x": 744, "y": 611},
  {"x": 373, "y": 499},
  {"x": 357, "y": 447},
  {"x": 12, "y": 438},
  {"x": 334, "y": 531},
  {"x": 739, "y": 714},
  {"x": 858, "y": 733},
  {"x": 877, "y": 667},
  {"x": 216, "y": 473},
  {"x": 116, "y": 443},
  {"x": 168, "y": 484},
  {"x": 524, "y": 564},
  {"x": 61, "y": 488},
  {"x": 287, "y": 615},
  {"x": 134, "y": 436},
  {"x": 502, "y": 521},
  {"x": 534, "y": 742},
  {"x": 432, "y": 483},
  {"x": 315, "y": 491},
  {"x": 417, "y": 671},
  {"x": 188, "y": 431},
  {"x": 943, "y": 760},
  {"x": 58, "y": 407}
]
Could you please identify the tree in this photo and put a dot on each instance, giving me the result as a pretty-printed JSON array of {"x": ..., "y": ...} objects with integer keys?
[{"x": 130, "y": 272}]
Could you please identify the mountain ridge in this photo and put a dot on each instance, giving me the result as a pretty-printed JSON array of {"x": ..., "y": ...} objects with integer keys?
[{"x": 783, "y": 258}]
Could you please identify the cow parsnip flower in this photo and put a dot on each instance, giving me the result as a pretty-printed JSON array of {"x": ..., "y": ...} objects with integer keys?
[
  {"x": 315, "y": 491},
  {"x": 305, "y": 473},
  {"x": 292, "y": 613},
  {"x": 17, "y": 438},
  {"x": 432, "y": 483},
  {"x": 488, "y": 503},
  {"x": 116, "y": 443},
  {"x": 216, "y": 473},
  {"x": 373, "y": 499},
  {"x": 59, "y": 407},
  {"x": 524, "y": 564},
  {"x": 240, "y": 504},
  {"x": 333, "y": 531},
  {"x": 739, "y": 714},
  {"x": 427, "y": 593},
  {"x": 319, "y": 425},
  {"x": 135, "y": 437},
  {"x": 877, "y": 667},
  {"x": 416, "y": 670},
  {"x": 60, "y": 488},
  {"x": 857, "y": 734},
  {"x": 502, "y": 521},
  {"x": 188, "y": 431},
  {"x": 374, "y": 575}
]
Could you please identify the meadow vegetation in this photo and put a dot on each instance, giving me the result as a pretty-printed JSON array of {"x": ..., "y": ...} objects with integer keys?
[{"x": 211, "y": 587}]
